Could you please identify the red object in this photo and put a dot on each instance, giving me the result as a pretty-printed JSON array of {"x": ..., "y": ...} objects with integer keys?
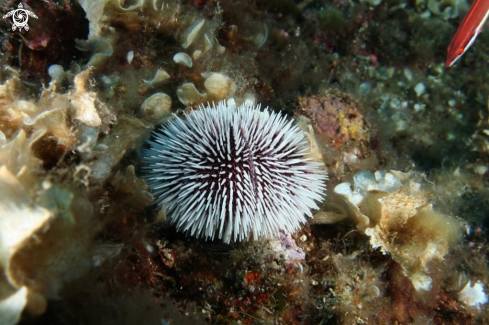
[{"x": 468, "y": 30}]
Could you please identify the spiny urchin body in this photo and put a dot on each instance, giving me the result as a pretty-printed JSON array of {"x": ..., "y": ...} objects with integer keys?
[{"x": 233, "y": 173}]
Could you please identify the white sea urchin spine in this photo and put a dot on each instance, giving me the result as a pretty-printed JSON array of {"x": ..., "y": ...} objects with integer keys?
[{"x": 233, "y": 173}]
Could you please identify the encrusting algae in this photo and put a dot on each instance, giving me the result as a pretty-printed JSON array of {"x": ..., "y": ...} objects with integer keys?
[{"x": 399, "y": 238}]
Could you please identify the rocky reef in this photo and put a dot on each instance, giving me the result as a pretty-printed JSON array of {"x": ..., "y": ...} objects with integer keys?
[{"x": 400, "y": 238}]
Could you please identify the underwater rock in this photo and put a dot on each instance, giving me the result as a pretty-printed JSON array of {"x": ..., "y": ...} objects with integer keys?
[
  {"x": 341, "y": 131},
  {"x": 359, "y": 291},
  {"x": 273, "y": 54},
  {"x": 336, "y": 115}
]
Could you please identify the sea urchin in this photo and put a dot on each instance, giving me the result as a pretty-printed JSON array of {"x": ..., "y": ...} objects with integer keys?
[{"x": 233, "y": 172}]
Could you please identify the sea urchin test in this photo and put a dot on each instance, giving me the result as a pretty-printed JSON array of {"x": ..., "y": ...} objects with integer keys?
[{"x": 233, "y": 173}]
